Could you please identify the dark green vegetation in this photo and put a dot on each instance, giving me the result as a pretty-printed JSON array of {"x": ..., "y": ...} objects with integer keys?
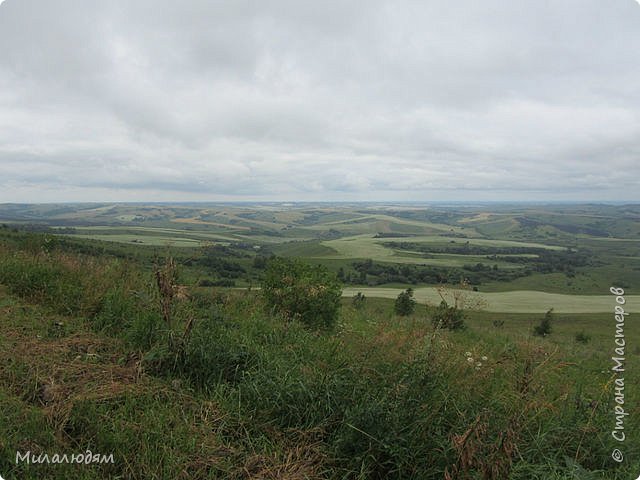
[
  {"x": 303, "y": 292},
  {"x": 544, "y": 328},
  {"x": 405, "y": 304},
  {"x": 447, "y": 316},
  {"x": 138, "y": 347}
]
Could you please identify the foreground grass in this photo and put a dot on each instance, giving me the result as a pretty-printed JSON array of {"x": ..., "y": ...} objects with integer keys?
[{"x": 226, "y": 390}]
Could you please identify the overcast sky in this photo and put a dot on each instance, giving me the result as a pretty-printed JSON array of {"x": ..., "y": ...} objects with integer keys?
[{"x": 319, "y": 100}]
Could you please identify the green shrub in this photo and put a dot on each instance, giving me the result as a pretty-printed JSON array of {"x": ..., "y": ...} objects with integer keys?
[
  {"x": 358, "y": 300},
  {"x": 544, "y": 328},
  {"x": 299, "y": 291},
  {"x": 582, "y": 337},
  {"x": 405, "y": 303},
  {"x": 447, "y": 316}
]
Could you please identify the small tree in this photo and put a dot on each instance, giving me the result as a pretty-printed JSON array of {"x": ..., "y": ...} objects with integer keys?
[
  {"x": 299, "y": 291},
  {"x": 446, "y": 316},
  {"x": 544, "y": 328},
  {"x": 405, "y": 303},
  {"x": 358, "y": 300},
  {"x": 450, "y": 313}
]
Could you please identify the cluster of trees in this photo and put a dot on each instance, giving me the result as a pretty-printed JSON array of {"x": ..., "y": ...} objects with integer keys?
[
  {"x": 553, "y": 261},
  {"x": 465, "y": 248},
  {"x": 371, "y": 273},
  {"x": 544, "y": 261},
  {"x": 215, "y": 260},
  {"x": 368, "y": 272}
]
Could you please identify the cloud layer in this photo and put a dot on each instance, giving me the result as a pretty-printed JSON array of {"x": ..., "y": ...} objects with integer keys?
[{"x": 289, "y": 100}]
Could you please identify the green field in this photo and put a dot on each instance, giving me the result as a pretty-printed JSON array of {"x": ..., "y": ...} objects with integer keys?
[
  {"x": 515, "y": 301},
  {"x": 367, "y": 246},
  {"x": 155, "y": 240}
]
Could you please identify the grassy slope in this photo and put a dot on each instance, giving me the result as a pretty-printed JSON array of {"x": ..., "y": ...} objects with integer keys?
[{"x": 68, "y": 390}]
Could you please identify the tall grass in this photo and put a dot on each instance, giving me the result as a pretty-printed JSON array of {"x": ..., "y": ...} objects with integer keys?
[{"x": 112, "y": 295}]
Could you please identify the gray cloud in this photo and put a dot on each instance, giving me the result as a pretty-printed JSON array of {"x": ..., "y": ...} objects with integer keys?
[{"x": 289, "y": 100}]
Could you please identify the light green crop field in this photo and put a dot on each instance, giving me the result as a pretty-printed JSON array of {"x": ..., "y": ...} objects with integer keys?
[
  {"x": 367, "y": 246},
  {"x": 158, "y": 231},
  {"x": 607, "y": 239},
  {"x": 173, "y": 236},
  {"x": 431, "y": 225},
  {"x": 521, "y": 301},
  {"x": 154, "y": 240},
  {"x": 373, "y": 223}
]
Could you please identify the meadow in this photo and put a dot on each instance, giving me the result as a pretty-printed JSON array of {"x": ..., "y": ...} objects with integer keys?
[{"x": 170, "y": 355}]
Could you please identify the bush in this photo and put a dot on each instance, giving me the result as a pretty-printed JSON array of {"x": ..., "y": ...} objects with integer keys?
[
  {"x": 405, "y": 303},
  {"x": 544, "y": 328},
  {"x": 449, "y": 317},
  {"x": 302, "y": 292},
  {"x": 358, "y": 300},
  {"x": 582, "y": 337}
]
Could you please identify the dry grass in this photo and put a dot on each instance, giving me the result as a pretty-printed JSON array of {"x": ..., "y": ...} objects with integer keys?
[
  {"x": 300, "y": 459},
  {"x": 65, "y": 371}
]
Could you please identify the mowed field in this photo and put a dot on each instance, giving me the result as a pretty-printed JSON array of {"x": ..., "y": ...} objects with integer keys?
[
  {"x": 152, "y": 240},
  {"x": 520, "y": 301},
  {"x": 155, "y": 236},
  {"x": 368, "y": 246}
]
